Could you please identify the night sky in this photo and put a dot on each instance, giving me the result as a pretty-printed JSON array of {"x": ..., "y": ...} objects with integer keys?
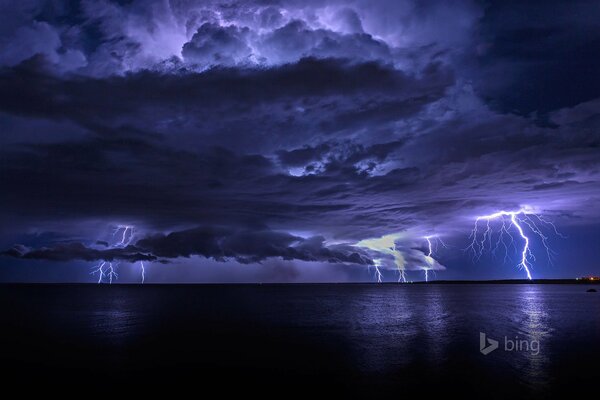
[{"x": 297, "y": 141}]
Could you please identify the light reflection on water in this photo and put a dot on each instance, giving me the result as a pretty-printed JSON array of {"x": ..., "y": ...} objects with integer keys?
[
  {"x": 368, "y": 336},
  {"x": 533, "y": 326},
  {"x": 116, "y": 319},
  {"x": 382, "y": 328},
  {"x": 388, "y": 327}
]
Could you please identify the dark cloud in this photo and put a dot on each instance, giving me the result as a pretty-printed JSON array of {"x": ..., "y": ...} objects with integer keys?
[
  {"x": 354, "y": 187},
  {"x": 304, "y": 155},
  {"x": 30, "y": 90},
  {"x": 296, "y": 39},
  {"x": 543, "y": 55},
  {"x": 337, "y": 155},
  {"x": 248, "y": 246},
  {"x": 217, "y": 243},
  {"x": 78, "y": 251},
  {"x": 289, "y": 130},
  {"x": 216, "y": 45}
]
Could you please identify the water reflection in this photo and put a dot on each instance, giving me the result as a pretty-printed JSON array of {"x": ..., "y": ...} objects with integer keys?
[
  {"x": 115, "y": 320},
  {"x": 397, "y": 326},
  {"x": 533, "y": 326},
  {"x": 384, "y": 328},
  {"x": 436, "y": 322},
  {"x": 394, "y": 333}
]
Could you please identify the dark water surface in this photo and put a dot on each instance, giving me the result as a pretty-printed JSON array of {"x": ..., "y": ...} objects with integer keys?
[{"x": 381, "y": 340}]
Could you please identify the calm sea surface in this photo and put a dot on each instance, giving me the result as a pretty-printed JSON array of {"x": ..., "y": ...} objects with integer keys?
[{"x": 380, "y": 340}]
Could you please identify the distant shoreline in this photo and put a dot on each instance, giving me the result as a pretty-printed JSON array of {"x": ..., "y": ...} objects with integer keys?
[
  {"x": 520, "y": 281},
  {"x": 433, "y": 282}
]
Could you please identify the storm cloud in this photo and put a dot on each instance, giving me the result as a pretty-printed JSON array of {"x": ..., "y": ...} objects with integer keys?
[
  {"x": 210, "y": 242},
  {"x": 292, "y": 131}
]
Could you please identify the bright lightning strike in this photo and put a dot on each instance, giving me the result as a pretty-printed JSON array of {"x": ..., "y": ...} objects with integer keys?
[
  {"x": 111, "y": 273},
  {"x": 125, "y": 234},
  {"x": 378, "y": 274},
  {"x": 398, "y": 250},
  {"x": 428, "y": 238},
  {"x": 99, "y": 269},
  {"x": 429, "y": 256},
  {"x": 522, "y": 220},
  {"x": 401, "y": 275},
  {"x": 105, "y": 272},
  {"x": 386, "y": 245},
  {"x": 143, "y": 270},
  {"x": 125, "y": 238}
]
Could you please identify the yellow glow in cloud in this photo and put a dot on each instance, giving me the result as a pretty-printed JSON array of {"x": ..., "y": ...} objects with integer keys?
[{"x": 387, "y": 245}]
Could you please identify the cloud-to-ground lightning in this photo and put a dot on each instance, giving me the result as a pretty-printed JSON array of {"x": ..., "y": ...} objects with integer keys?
[
  {"x": 429, "y": 256},
  {"x": 522, "y": 220},
  {"x": 401, "y": 251},
  {"x": 378, "y": 274},
  {"x": 143, "y": 270},
  {"x": 111, "y": 273},
  {"x": 106, "y": 269},
  {"x": 99, "y": 269},
  {"x": 386, "y": 245}
]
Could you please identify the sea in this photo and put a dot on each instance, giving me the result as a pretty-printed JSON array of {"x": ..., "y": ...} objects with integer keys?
[{"x": 353, "y": 340}]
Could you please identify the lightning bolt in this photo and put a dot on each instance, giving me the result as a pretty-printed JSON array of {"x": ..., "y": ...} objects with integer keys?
[
  {"x": 111, "y": 273},
  {"x": 428, "y": 257},
  {"x": 108, "y": 272},
  {"x": 378, "y": 274},
  {"x": 125, "y": 239},
  {"x": 430, "y": 249},
  {"x": 143, "y": 270},
  {"x": 428, "y": 238},
  {"x": 386, "y": 245},
  {"x": 401, "y": 275},
  {"x": 99, "y": 269},
  {"x": 521, "y": 220},
  {"x": 125, "y": 234}
]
